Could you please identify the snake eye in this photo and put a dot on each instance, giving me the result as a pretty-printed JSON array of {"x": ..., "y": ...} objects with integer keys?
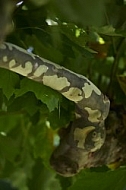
[{"x": 94, "y": 135}]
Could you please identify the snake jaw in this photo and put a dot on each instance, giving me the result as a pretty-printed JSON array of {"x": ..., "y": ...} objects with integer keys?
[{"x": 64, "y": 165}]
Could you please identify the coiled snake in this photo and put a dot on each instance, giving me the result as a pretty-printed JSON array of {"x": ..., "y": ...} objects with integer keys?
[{"x": 86, "y": 134}]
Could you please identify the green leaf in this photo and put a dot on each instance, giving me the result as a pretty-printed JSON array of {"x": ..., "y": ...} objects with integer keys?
[
  {"x": 60, "y": 118},
  {"x": 42, "y": 141},
  {"x": 85, "y": 13},
  {"x": 9, "y": 121},
  {"x": 115, "y": 180},
  {"x": 24, "y": 172},
  {"x": 108, "y": 30},
  {"x": 8, "y": 148},
  {"x": 8, "y": 82},
  {"x": 45, "y": 180},
  {"x": 75, "y": 34},
  {"x": 26, "y": 102},
  {"x": 43, "y": 93},
  {"x": 46, "y": 51},
  {"x": 65, "y": 182}
]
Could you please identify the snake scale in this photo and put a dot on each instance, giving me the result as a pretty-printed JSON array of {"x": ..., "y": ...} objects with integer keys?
[{"x": 86, "y": 134}]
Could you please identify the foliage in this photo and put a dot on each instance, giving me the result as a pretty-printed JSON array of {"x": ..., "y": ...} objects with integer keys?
[{"x": 87, "y": 37}]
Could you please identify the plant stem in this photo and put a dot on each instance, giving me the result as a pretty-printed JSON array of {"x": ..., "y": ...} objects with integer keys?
[{"x": 116, "y": 54}]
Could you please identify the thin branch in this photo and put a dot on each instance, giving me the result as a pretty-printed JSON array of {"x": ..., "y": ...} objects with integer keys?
[{"x": 117, "y": 52}]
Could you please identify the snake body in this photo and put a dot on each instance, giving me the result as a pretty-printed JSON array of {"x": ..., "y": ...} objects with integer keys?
[{"x": 87, "y": 132}]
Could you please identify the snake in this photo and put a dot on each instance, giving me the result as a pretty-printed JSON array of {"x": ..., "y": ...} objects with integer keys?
[{"x": 86, "y": 133}]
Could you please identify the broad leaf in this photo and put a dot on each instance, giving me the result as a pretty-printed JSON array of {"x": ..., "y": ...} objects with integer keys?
[
  {"x": 115, "y": 180},
  {"x": 43, "y": 93},
  {"x": 8, "y": 82}
]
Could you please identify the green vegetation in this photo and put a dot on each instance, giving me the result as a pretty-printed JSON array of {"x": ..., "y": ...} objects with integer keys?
[{"x": 87, "y": 37}]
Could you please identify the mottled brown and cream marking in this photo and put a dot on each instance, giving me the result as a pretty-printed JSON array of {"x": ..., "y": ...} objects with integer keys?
[
  {"x": 94, "y": 115},
  {"x": 89, "y": 88},
  {"x": 81, "y": 134},
  {"x": 27, "y": 69},
  {"x": 5, "y": 59},
  {"x": 57, "y": 83},
  {"x": 40, "y": 71},
  {"x": 87, "y": 132},
  {"x": 74, "y": 94}
]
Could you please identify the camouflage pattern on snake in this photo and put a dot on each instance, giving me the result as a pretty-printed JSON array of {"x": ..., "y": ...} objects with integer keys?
[{"x": 86, "y": 134}]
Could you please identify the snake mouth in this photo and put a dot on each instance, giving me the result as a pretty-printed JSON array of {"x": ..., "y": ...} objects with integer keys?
[{"x": 64, "y": 166}]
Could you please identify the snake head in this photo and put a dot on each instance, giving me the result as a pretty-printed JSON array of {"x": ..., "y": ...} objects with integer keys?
[{"x": 68, "y": 161}]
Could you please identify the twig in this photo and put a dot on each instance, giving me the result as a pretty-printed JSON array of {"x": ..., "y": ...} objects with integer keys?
[{"x": 117, "y": 50}]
